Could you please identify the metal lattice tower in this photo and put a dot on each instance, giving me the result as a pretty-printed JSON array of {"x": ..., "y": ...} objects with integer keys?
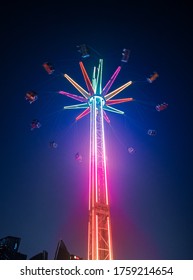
[{"x": 96, "y": 101}]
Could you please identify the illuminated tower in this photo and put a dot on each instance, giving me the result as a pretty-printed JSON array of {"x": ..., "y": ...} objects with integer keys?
[{"x": 96, "y": 100}]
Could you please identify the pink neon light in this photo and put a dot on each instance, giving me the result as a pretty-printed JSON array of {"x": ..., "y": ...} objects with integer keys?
[
  {"x": 84, "y": 113},
  {"x": 105, "y": 167},
  {"x": 106, "y": 117},
  {"x": 92, "y": 157},
  {"x": 95, "y": 148},
  {"x": 110, "y": 82},
  {"x": 74, "y": 96},
  {"x": 88, "y": 239},
  {"x": 93, "y": 183},
  {"x": 116, "y": 101},
  {"x": 109, "y": 238},
  {"x": 90, "y": 163},
  {"x": 97, "y": 247}
]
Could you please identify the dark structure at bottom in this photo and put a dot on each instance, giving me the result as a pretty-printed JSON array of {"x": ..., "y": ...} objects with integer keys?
[{"x": 9, "y": 247}]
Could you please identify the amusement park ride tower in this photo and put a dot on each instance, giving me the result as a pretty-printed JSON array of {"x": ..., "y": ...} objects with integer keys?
[{"x": 95, "y": 101}]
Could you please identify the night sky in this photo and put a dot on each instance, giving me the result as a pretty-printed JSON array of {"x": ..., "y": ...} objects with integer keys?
[{"x": 44, "y": 190}]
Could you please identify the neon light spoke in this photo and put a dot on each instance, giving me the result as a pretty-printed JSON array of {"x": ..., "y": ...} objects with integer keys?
[
  {"x": 86, "y": 78},
  {"x": 116, "y": 91},
  {"x": 117, "y": 101},
  {"x": 84, "y": 113},
  {"x": 111, "y": 81},
  {"x": 79, "y": 88},
  {"x": 74, "y": 96}
]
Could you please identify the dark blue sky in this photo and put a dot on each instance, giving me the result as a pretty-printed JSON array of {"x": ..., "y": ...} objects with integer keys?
[{"x": 44, "y": 191}]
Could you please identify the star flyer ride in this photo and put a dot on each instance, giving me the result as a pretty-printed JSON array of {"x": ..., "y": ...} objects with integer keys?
[{"x": 96, "y": 100}]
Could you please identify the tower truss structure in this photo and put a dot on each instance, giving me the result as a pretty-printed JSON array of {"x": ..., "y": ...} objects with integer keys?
[{"x": 96, "y": 100}]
